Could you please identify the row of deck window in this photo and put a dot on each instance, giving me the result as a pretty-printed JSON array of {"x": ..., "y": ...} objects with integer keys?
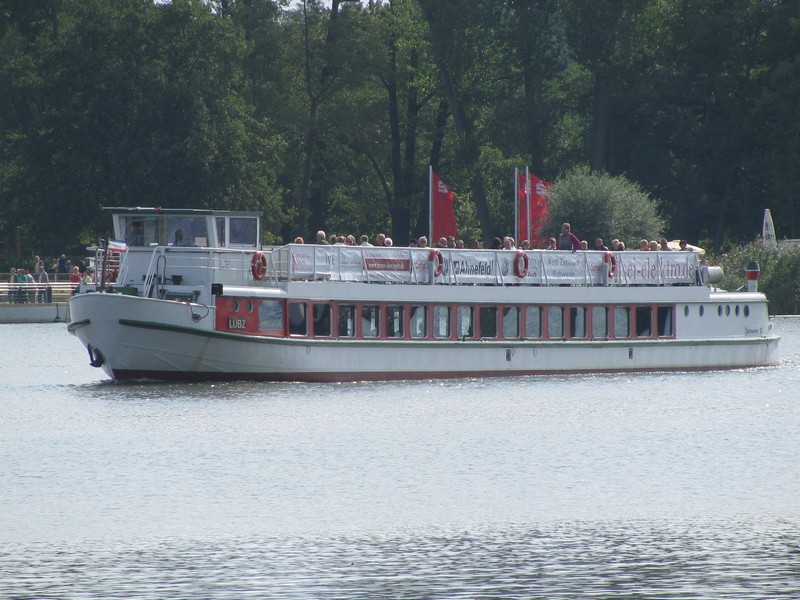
[{"x": 463, "y": 321}]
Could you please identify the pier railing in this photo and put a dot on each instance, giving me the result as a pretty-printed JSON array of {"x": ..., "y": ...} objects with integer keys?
[{"x": 35, "y": 293}]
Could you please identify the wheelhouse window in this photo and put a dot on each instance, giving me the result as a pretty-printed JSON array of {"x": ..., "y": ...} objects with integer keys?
[
  {"x": 488, "y": 322},
  {"x": 243, "y": 232},
  {"x": 599, "y": 322},
  {"x": 464, "y": 321},
  {"x": 441, "y": 322},
  {"x": 297, "y": 319},
  {"x": 622, "y": 322},
  {"x": 347, "y": 321},
  {"x": 533, "y": 322},
  {"x": 510, "y": 322},
  {"x": 322, "y": 320},
  {"x": 555, "y": 322},
  {"x": 394, "y": 321},
  {"x": 370, "y": 321},
  {"x": 418, "y": 322}
]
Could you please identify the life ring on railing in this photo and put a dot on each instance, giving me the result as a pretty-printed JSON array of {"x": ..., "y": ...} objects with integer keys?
[
  {"x": 435, "y": 258},
  {"x": 258, "y": 266},
  {"x": 611, "y": 261},
  {"x": 521, "y": 265}
]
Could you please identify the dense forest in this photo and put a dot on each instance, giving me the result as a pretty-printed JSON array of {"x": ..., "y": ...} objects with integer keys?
[{"x": 327, "y": 115}]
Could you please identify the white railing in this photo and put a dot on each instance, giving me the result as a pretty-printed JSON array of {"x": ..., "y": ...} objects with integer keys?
[
  {"x": 444, "y": 266},
  {"x": 29, "y": 293}
]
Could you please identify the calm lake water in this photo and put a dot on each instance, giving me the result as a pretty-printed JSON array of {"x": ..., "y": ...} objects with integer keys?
[{"x": 662, "y": 485}]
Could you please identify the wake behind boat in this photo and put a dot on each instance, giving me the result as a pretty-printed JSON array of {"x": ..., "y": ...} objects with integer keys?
[{"x": 193, "y": 296}]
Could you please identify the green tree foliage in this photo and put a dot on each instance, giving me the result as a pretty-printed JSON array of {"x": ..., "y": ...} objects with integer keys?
[
  {"x": 601, "y": 205},
  {"x": 136, "y": 104},
  {"x": 779, "y": 276},
  {"x": 327, "y": 114}
]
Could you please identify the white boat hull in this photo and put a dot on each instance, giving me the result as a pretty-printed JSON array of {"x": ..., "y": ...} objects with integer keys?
[{"x": 139, "y": 338}]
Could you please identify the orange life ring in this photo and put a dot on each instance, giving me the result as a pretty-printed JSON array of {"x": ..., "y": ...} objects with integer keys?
[
  {"x": 521, "y": 264},
  {"x": 435, "y": 258},
  {"x": 611, "y": 261},
  {"x": 258, "y": 266}
]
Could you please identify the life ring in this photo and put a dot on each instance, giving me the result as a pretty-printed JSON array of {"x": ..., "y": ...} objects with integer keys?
[
  {"x": 259, "y": 266},
  {"x": 611, "y": 261},
  {"x": 521, "y": 265},
  {"x": 435, "y": 258}
]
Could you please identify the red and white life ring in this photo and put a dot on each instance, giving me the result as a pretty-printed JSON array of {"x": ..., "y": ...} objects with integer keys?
[
  {"x": 258, "y": 266},
  {"x": 611, "y": 261},
  {"x": 521, "y": 265},
  {"x": 435, "y": 258}
]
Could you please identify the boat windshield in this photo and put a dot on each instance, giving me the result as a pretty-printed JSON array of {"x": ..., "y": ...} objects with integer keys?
[{"x": 179, "y": 230}]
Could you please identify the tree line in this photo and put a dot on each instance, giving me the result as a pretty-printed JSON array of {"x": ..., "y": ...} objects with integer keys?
[{"x": 326, "y": 116}]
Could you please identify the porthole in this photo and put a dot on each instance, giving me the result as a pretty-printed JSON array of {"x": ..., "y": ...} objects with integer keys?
[
  {"x": 249, "y": 306},
  {"x": 737, "y": 310},
  {"x": 702, "y": 310},
  {"x": 235, "y": 305},
  {"x": 686, "y": 311},
  {"x": 746, "y": 311},
  {"x": 719, "y": 310},
  {"x": 727, "y": 310}
]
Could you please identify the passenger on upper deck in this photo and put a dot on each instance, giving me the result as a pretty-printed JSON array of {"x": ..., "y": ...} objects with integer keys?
[
  {"x": 365, "y": 240},
  {"x": 508, "y": 243},
  {"x": 665, "y": 245},
  {"x": 568, "y": 240},
  {"x": 599, "y": 245},
  {"x": 584, "y": 245},
  {"x": 380, "y": 239},
  {"x": 552, "y": 244},
  {"x": 442, "y": 242},
  {"x": 422, "y": 242},
  {"x": 322, "y": 238},
  {"x": 644, "y": 246}
]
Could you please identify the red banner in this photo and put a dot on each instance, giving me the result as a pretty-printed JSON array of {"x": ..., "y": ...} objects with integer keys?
[
  {"x": 530, "y": 228},
  {"x": 443, "y": 211}
]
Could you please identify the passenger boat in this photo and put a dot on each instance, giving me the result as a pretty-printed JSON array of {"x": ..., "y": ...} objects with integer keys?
[{"x": 215, "y": 305}]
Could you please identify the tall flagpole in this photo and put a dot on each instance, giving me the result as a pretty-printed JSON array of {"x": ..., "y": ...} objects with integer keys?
[
  {"x": 516, "y": 204},
  {"x": 430, "y": 205},
  {"x": 528, "y": 200}
]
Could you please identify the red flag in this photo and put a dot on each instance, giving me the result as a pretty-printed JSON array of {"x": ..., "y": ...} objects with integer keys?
[
  {"x": 443, "y": 211},
  {"x": 530, "y": 228}
]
